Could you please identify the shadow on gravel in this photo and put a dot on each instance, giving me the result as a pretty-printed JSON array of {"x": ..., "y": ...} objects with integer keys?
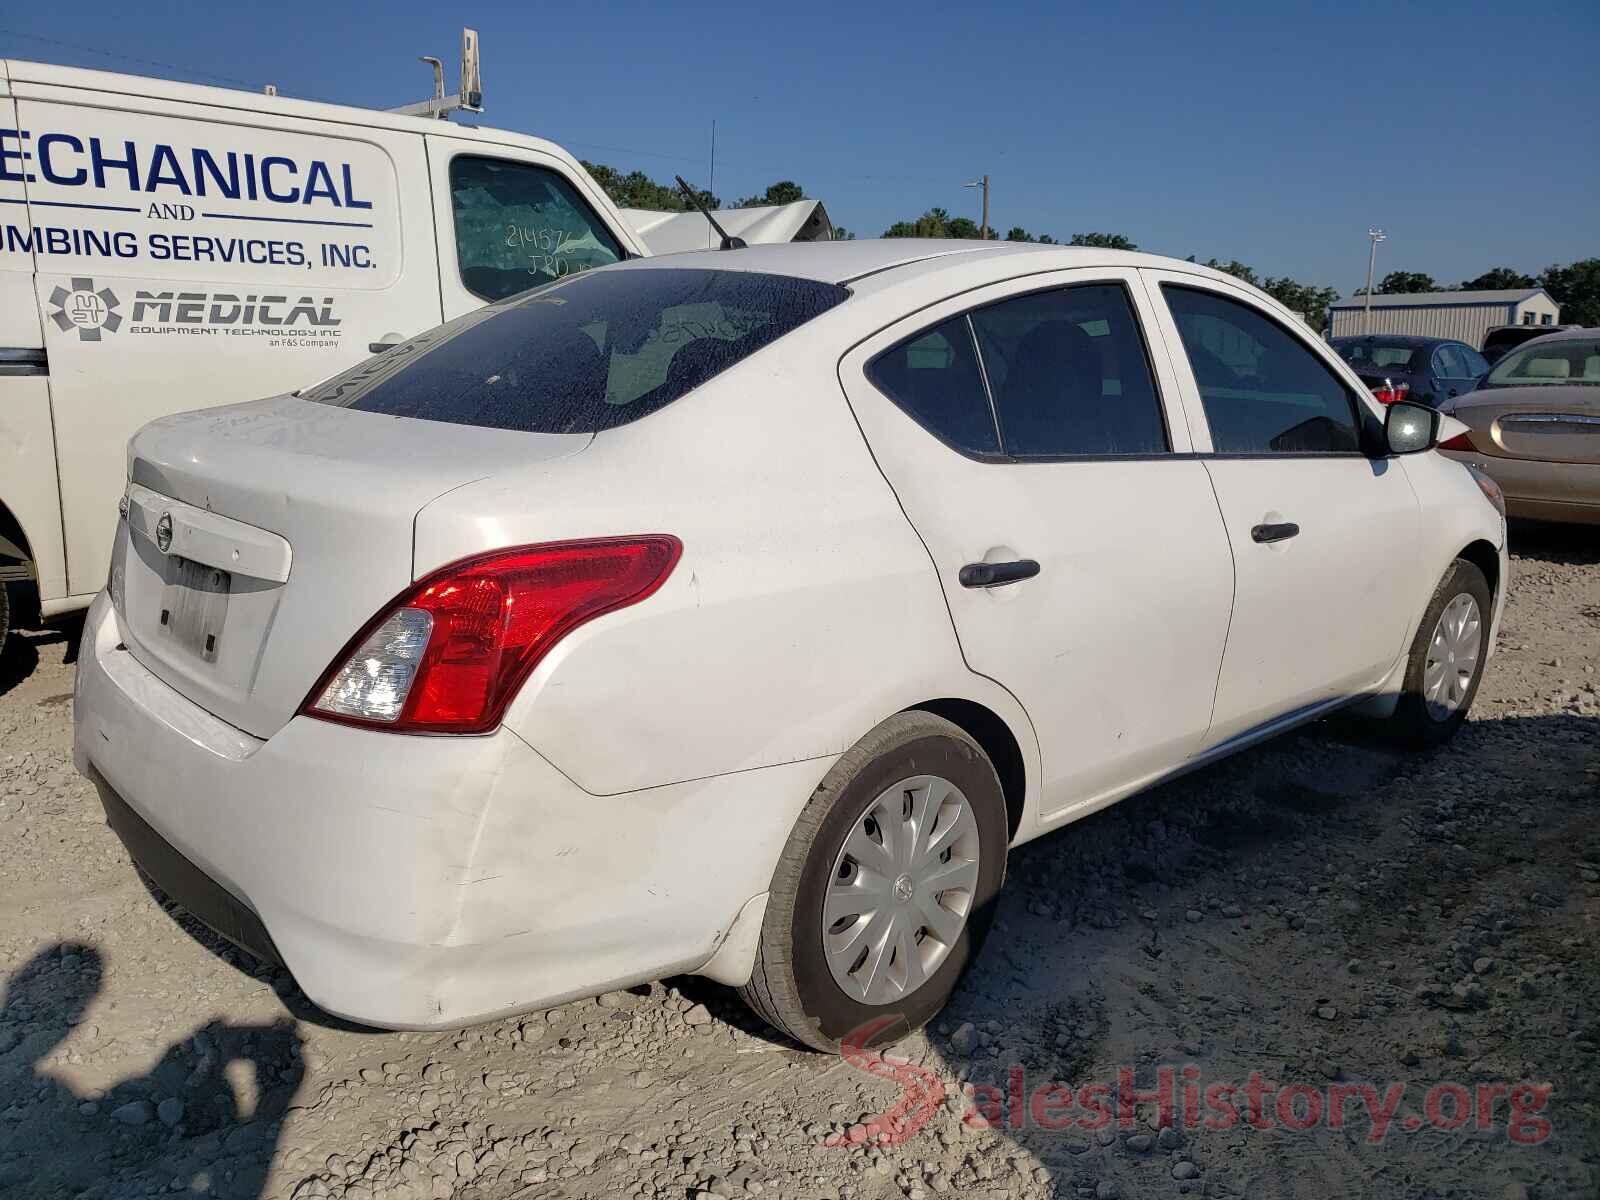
[
  {"x": 205, "y": 1120},
  {"x": 20, "y": 656},
  {"x": 1322, "y": 911},
  {"x": 1576, "y": 544},
  {"x": 17, "y": 661}
]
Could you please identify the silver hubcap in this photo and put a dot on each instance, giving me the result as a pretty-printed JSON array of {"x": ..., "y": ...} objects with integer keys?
[
  {"x": 1453, "y": 654},
  {"x": 901, "y": 891}
]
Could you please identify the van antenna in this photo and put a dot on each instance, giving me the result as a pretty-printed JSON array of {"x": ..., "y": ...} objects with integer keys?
[{"x": 728, "y": 242}]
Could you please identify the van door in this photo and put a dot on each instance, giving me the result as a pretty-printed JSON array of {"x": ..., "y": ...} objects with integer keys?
[
  {"x": 30, "y": 512},
  {"x": 511, "y": 218},
  {"x": 190, "y": 255}
]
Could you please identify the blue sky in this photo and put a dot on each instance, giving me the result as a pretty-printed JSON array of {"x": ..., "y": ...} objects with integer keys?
[{"x": 1271, "y": 133}]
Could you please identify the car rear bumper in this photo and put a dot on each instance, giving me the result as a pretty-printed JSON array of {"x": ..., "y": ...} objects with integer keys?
[
  {"x": 1550, "y": 491},
  {"x": 421, "y": 882}
]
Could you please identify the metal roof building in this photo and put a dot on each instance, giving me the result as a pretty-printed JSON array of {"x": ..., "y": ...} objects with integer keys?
[{"x": 1465, "y": 316}]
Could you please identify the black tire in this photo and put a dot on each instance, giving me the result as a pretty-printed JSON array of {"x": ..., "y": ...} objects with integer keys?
[
  {"x": 5, "y": 616},
  {"x": 792, "y": 987},
  {"x": 1413, "y": 724}
]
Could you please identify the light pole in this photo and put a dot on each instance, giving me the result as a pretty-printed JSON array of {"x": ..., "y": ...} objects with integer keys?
[
  {"x": 1377, "y": 236},
  {"x": 983, "y": 223}
]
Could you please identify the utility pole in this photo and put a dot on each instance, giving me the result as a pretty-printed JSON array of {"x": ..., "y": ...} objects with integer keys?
[
  {"x": 983, "y": 221},
  {"x": 1377, "y": 236}
]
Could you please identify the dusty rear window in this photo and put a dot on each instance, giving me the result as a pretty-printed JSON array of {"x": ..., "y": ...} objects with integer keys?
[{"x": 587, "y": 353}]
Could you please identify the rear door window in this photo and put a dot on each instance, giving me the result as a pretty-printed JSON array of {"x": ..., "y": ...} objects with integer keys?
[
  {"x": 1264, "y": 391},
  {"x": 935, "y": 379},
  {"x": 1445, "y": 363},
  {"x": 519, "y": 225},
  {"x": 585, "y": 354},
  {"x": 1476, "y": 364},
  {"x": 1069, "y": 374}
]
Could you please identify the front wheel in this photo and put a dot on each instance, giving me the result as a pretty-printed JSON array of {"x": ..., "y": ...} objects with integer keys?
[
  {"x": 885, "y": 890},
  {"x": 1446, "y": 661}
]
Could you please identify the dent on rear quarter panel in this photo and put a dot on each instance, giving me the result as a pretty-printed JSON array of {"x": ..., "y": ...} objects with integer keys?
[{"x": 804, "y": 609}]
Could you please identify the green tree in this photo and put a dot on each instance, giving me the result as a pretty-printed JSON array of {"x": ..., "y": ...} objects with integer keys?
[
  {"x": 962, "y": 227},
  {"x": 1497, "y": 279},
  {"x": 1307, "y": 299},
  {"x": 1018, "y": 234},
  {"x": 935, "y": 223},
  {"x": 1401, "y": 282},
  {"x": 1235, "y": 268},
  {"x": 1104, "y": 241},
  {"x": 1310, "y": 301},
  {"x": 841, "y": 234},
  {"x": 1576, "y": 287},
  {"x": 785, "y": 191}
]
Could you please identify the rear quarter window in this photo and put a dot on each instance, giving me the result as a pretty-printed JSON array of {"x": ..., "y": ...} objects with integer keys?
[{"x": 585, "y": 354}]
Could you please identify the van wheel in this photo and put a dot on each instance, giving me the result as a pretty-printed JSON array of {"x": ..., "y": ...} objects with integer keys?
[
  {"x": 1446, "y": 661},
  {"x": 886, "y": 889}
]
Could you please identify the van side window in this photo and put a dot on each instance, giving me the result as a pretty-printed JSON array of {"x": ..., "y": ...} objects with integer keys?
[
  {"x": 519, "y": 225},
  {"x": 1264, "y": 391}
]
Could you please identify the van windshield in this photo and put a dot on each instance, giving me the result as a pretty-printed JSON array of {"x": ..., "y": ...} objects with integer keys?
[{"x": 587, "y": 353}]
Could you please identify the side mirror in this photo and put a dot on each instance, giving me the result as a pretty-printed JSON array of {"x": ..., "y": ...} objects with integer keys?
[{"x": 1410, "y": 428}]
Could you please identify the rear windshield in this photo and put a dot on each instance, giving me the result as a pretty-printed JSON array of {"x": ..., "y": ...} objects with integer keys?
[
  {"x": 1376, "y": 354},
  {"x": 1564, "y": 360},
  {"x": 584, "y": 354}
]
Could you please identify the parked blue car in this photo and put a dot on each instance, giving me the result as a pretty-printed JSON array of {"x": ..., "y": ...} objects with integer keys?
[{"x": 1430, "y": 370}]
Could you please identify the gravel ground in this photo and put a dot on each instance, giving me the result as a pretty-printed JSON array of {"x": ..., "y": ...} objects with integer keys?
[{"x": 1320, "y": 914}]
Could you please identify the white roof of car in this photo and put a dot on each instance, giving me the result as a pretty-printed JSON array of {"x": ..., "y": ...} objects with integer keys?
[{"x": 845, "y": 262}]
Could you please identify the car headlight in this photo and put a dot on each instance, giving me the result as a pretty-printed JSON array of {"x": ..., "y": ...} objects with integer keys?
[{"x": 1488, "y": 487}]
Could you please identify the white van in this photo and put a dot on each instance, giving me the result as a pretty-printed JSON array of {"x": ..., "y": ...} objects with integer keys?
[{"x": 165, "y": 247}]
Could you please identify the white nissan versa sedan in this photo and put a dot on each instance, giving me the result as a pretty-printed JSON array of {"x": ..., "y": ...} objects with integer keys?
[{"x": 734, "y": 612}]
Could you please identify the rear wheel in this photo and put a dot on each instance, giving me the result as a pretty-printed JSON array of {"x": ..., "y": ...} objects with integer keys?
[
  {"x": 5, "y": 616},
  {"x": 886, "y": 888},
  {"x": 1446, "y": 661}
]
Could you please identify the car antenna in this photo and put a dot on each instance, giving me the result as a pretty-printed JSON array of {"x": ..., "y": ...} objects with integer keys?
[{"x": 728, "y": 242}]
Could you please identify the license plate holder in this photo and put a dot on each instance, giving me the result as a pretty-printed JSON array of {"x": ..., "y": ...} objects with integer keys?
[{"x": 194, "y": 606}]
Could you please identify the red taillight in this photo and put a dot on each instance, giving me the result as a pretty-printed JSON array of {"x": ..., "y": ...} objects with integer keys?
[
  {"x": 1389, "y": 392},
  {"x": 1460, "y": 442},
  {"x": 461, "y": 641}
]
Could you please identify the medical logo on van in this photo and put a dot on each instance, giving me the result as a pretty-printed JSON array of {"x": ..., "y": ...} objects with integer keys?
[
  {"x": 85, "y": 309},
  {"x": 275, "y": 320}
]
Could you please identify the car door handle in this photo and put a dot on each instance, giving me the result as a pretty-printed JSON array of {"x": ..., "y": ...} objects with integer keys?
[
  {"x": 1274, "y": 533},
  {"x": 989, "y": 575}
]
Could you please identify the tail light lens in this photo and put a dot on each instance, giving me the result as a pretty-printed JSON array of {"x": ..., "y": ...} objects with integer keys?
[
  {"x": 1460, "y": 442},
  {"x": 1490, "y": 489},
  {"x": 1390, "y": 392},
  {"x": 448, "y": 655}
]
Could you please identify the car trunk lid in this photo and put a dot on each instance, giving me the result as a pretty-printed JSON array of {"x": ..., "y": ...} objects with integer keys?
[
  {"x": 1541, "y": 423},
  {"x": 258, "y": 538}
]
